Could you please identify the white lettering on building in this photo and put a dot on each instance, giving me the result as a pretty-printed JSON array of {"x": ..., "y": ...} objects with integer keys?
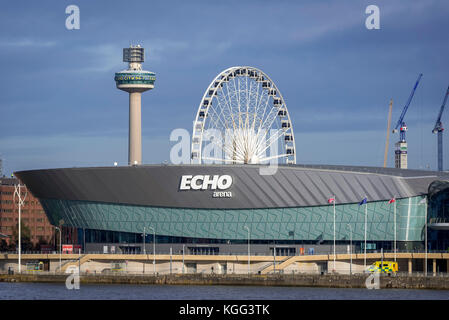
[{"x": 205, "y": 182}]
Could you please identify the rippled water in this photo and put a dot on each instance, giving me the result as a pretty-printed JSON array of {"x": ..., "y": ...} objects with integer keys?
[{"x": 32, "y": 291}]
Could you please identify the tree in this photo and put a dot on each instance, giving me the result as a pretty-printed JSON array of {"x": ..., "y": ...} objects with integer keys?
[
  {"x": 3, "y": 245},
  {"x": 40, "y": 243},
  {"x": 26, "y": 244}
]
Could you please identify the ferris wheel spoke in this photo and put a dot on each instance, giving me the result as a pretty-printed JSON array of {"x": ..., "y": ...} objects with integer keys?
[
  {"x": 253, "y": 99},
  {"x": 237, "y": 99},
  {"x": 219, "y": 98},
  {"x": 247, "y": 97},
  {"x": 224, "y": 121},
  {"x": 217, "y": 118},
  {"x": 239, "y": 140},
  {"x": 236, "y": 147},
  {"x": 261, "y": 138},
  {"x": 262, "y": 112},
  {"x": 222, "y": 96},
  {"x": 230, "y": 149},
  {"x": 270, "y": 118},
  {"x": 265, "y": 116},
  {"x": 272, "y": 140},
  {"x": 218, "y": 145}
]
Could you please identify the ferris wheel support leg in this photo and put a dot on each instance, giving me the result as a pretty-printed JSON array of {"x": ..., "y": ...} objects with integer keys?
[{"x": 135, "y": 129}]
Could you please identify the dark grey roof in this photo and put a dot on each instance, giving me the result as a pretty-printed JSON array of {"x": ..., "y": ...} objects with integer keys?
[
  {"x": 291, "y": 186},
  {"x": 379, "y": 170}
]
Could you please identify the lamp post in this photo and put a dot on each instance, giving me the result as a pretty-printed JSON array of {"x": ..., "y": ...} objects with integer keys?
[
  {"x": 183, "y": 247},
  {"x": 154, "y": 250},
  {"x": 366, "y": 224},
  {"x": 350, "y": 248},
  {"x": 395, "y": 230},
  {"x": 84, "y": 240},
  {"x": 144, "y": 251},
  {"x": 20, "y": 202},
  {"x": 426, "y": 235},
  {"x": 249, "y": 271},
  {"x": 425, "y": 203},
  {"x": 60, "y": 246},
  {"x": 143, "y": 241},
  {"x": 334, "y": 232}
]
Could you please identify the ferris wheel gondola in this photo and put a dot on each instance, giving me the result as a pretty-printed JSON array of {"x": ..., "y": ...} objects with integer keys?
[{"x": 244, "y": 118}]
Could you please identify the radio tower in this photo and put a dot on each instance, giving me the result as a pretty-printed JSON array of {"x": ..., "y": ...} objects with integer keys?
[{"x": 134, "y": 80}]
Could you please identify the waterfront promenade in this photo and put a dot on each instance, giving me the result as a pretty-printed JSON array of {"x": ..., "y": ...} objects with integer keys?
[{"x": 165, "y": 264}]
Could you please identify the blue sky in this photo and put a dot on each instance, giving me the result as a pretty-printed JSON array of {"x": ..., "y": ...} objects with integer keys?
[{"x": 59, "y": 106}]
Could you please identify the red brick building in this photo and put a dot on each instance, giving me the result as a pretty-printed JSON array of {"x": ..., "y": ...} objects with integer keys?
[{"x": 32, "y": 213}]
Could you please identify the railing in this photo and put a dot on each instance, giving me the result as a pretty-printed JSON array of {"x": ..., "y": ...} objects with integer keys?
[{"x": 330, "y": 253}]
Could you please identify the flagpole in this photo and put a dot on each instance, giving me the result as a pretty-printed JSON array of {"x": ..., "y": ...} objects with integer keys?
[
  {"x": 366, "y": 213},
  {"x": 426, "y": 235},
  {"x": 395, "y": 235},
  {"x": 334, "y": 231}
]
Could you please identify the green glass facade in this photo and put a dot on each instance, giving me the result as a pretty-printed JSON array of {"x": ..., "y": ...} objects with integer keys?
[{"x": 300, "y": 223}]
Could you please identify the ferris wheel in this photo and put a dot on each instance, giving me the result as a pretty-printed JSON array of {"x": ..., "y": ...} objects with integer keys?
[{"x": 242, "y": 119}]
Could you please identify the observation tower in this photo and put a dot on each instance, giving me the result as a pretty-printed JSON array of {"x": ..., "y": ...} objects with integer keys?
[{"x": 134, "y": 80}]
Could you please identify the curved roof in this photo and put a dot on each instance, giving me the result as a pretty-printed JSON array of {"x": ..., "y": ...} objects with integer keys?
[{"x": 290, "y": 186}]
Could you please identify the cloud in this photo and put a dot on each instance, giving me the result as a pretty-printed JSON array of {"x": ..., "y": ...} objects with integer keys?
[
  {"x": 27, "y": 43},
  {"x": 324, "y": 19},
  {"x": 158, "y": 49},
  {"x": 103, "y": 58}
]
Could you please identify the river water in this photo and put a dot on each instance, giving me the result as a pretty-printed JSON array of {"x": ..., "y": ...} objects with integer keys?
[{"x": 44, "y": 291}]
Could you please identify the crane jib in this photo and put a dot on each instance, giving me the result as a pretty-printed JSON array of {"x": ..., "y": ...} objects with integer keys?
[
  {"x": 404, "y": 111},
  {"x": 438, "y": 124}
]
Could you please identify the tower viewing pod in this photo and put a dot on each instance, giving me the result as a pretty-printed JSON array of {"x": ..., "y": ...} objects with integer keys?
[{"x": 134, "y": 80}]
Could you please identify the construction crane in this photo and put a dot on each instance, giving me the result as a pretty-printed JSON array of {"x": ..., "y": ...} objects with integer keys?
[
  {"x": 401, "y": 145},
  {"x": 439, "y": 128},
  {"x": 388, "y": 133}
]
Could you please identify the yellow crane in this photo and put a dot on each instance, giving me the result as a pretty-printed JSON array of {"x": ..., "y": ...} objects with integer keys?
[{"x": 388, "y": 133}]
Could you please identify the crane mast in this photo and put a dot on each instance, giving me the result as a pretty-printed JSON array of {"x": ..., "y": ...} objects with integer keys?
[
  {"x": 401, "y": 145},
  {"x": 438, "y": 128}
]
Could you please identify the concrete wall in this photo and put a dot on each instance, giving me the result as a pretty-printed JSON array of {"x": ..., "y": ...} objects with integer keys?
[{"x": 229, "y": 264}]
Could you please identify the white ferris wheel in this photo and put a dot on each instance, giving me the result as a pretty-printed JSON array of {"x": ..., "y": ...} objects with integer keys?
[{"x": 242, "y": 118}]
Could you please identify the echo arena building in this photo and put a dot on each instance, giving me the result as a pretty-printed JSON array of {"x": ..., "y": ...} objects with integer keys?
[
  {"x": 216, "y": 209},
  {"x": 219, "y": 208}
]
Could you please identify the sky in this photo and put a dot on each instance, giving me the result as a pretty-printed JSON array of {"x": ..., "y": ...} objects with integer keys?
[{"x": 59, "y": 106}]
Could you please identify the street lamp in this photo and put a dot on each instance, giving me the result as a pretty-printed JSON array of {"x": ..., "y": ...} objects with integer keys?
[
  {"x": 334, "y": 231},
  {"x": 144, "y": 252},
  {"x": 248, "y": 249},
  {"x": 366, "y": 225},
  {"x": 350, "y": 248},
  {"x": 143, "y": 240},
  {"x": 154, "y": 250},
  {"x": 20, "y": 202},
  {"x": 60, "y": 246},
  {"x": 183, "y": 248},
  {"x": 395, "y": 231},
  {"x": 426, "y": 232},
  {"x": 424, "y": 201}
]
